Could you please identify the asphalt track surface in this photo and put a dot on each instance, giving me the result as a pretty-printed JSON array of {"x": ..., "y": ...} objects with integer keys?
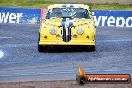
[{"x": 20, "y": 60}]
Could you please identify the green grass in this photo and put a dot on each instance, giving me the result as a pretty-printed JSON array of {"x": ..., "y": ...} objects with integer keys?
[{"x": 45, "y": 3}]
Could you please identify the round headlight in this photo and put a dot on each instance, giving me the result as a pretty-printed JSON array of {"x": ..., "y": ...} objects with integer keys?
[
  {"x": 80, "y": 31},
  {"x": 52, "y": 31},
  {"x": 43, "y": 24}
]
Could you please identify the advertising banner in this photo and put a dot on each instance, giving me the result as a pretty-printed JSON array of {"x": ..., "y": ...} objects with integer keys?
[
  {"x": 117, "y": 18},
  {"x": 19, "y": 15}
]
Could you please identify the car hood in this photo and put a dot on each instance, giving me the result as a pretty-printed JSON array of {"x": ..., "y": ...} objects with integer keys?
[{"x": 72, "y": 21}]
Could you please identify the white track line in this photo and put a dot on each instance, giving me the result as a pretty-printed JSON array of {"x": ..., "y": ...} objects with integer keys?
[
  {"x": 1, "y": 54},
  {"x": 10, "y": 74},
  {"x": 122, "y": 40},
  {"x": 35, "y": 44},
  {"x": 5, "y": 37},
  {"x": 19, "y": 45},
  {"x": 25, "y": 73}
]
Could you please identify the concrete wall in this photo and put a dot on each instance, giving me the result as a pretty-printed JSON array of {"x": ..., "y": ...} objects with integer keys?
[{"x": 96, "y": 1}]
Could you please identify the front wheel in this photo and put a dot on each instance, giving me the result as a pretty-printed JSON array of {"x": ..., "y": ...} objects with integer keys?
[
  {"x": 42, "y": 48},
  {"x": 92, "y": 48}
]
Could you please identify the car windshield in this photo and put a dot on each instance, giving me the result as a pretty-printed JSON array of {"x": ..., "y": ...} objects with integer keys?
[{"x": 68, "y": 12}]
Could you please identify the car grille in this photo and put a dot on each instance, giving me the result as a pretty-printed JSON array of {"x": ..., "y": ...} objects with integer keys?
[{"x": 66, "y": 34}]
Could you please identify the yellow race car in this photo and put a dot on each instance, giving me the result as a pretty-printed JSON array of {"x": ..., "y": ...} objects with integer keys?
[{"x": 67, "y": 24}]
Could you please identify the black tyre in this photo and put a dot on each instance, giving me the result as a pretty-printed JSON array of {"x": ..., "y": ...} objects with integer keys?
[
  {"x": 92, "y": 48},
  {"x": 40, "y": 48}
]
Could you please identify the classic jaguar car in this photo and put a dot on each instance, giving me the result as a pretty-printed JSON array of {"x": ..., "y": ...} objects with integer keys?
[{"x": 67, "y": 24}]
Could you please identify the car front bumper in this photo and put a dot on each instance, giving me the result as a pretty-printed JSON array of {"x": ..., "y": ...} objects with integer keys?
[{"x": 58, "y": 42}]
